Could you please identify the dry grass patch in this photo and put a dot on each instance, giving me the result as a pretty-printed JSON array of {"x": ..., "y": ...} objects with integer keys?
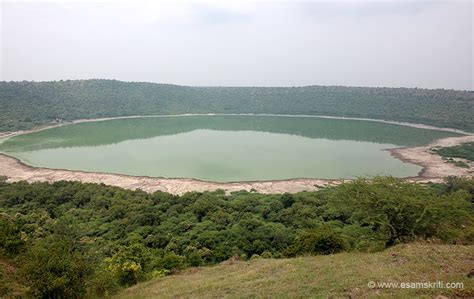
[{"x": 339, "y": 275}]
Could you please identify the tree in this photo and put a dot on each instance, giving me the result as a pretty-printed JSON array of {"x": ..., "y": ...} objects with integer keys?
[
  {"x": 55, "y": 268},
  {"x": 322, "y": 240}
]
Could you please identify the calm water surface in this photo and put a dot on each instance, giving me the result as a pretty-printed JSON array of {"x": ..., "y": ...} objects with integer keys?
[{"x": 224, "y": 148}]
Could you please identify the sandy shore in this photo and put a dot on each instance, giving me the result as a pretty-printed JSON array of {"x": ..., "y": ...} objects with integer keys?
[
  {"x": 419, "y": 126},
  {"x": 434, "y": 169},
  {"x": 17, "y": 171}
]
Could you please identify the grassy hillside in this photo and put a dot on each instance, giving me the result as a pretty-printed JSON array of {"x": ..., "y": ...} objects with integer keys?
[
  {"x": 339, "y": 275},
  {"x": 25, "y": 105}
]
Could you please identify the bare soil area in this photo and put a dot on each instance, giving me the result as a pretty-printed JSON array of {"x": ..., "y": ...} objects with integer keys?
[
  {"x": 15, "y": 170},
  {"x": 434, "y": 167}
]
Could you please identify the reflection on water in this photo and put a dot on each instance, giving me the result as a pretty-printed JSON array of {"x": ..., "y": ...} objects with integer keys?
[{"x": 115, "y": 131}]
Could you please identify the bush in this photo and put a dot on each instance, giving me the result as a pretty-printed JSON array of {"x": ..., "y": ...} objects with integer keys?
[
  {"x": 129, "y": 263},
  {"x": 255, "y": 257},
  {"x": 322, "y": 240},
  {"x": 453, "y": 184},
  {"x": 171, "y": 261},
  {"x": 11, "y": 241},
  {"x": 194, "y": 259},
  {"x": 55, "y": 268},
  {"x": 102, "y": 283}
]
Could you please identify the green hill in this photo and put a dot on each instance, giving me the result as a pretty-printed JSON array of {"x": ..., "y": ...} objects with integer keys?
[
  {"x": 344, "y": 275},
  {"x": 25, "y": 105}
]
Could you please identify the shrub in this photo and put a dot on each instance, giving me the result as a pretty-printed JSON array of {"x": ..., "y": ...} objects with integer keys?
[
  {"x": 255, "y": 257},
  {"x": 129, "y": 263},
  {"x": 102, "y": 283},
  {"x": 171, "y": 261},
  {"x": 55, "y": 268},
  {"x": 322, "y": 240},
  {"x": 11, "y": 241}
]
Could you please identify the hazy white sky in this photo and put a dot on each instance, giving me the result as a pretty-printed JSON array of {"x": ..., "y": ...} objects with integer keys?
[{"x": 241, "y": 43}]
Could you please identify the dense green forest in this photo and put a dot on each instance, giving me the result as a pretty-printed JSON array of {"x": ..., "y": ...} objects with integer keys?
[
  {"x": 71, "y": 239},
  {"x": 25, "y": 105}
]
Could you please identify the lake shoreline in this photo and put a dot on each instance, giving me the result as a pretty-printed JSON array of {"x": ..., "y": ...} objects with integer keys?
[
  {"x": 15, "y": 170},
  {"x": 434, "y": 169},
  {"x": 433, "y": 165}
]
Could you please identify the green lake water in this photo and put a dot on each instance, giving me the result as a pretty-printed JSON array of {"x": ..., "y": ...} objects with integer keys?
[{"x": 224, "y": 148}]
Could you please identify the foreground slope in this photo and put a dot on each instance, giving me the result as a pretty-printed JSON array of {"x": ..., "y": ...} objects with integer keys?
[
  {"x": 75, "y": 240},
  {"x": 339, "y": 275}
]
